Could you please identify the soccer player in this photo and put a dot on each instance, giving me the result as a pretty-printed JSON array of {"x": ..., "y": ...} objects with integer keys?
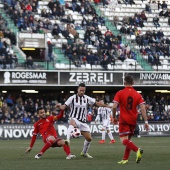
[
  {"x": 128, "y": 99},
  {"x": 45, "y": 126},
  {"x": 106, "y": 115},
  {"x": 78, "y": 112}
]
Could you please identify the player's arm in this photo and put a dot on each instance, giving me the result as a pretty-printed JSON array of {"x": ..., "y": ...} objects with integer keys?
[
  {"x": 143, "y": 111},
  {"x": 61, "y": 107},
  {"x": 33, "y": 139},
  {"x": 102, "y": 105},
  {"x": 59, "y": 116},
  {"x": 111, "y": 115},
  {"x": 114, "y": 109}
]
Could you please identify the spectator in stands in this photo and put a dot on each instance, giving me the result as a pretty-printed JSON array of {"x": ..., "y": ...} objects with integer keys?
[
  {"x": 126, "y": 20},
  {"x": 167, "y": 13},
  {"x": 70, "y": 19},
  {"x": 21, "y": 24},
  {"x": 72, "y": 31},
  {"x": 160, "y": 34},
  {"x": 159, "y": 5},
  {"x": 166, "y": 50},
  {"x": 69, "y": 52},
  {"x": 28, "y": 7},
  {"x": 51, "y": 4},
  {"x": 156, "y": 21},
  {"x": 130, "y": 30},
  {"x": 56, "y": 31},
  {"x": 50, "y": 51},
  {"x": 34, "y": 7},
  {"x": 148, "y": 8},
  {"x": 116, "y": 20},
  {"x": 169, "y": 21},
  {"x": 164, "y": 5},
  {"x": 143, "y": 16},
  {"x": 5, "y": 7},
  {"x": 17, "y": 6},
  {"x": 126, "y": 1},
  {"x": 93, "y": 38},
  {"x": 150, "y": 59},
  {"x": 30, "y": 63},
  {"x": 76, "y": 60},
  {"x": 44, "y": 13},
  {"x": 26, "y": 119},
  {"x": 157, "y": 60},
  {"x": 65, "y": 33},
  {"x": 9, "y": 62},
  {"x": 123, "y": 29},
  {"x": 104, "y": 62}
]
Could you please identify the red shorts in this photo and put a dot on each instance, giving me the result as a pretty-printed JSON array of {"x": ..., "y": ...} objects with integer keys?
[
  {"x": 55, "y": 144},
  {"x": 126, "y": 129}
]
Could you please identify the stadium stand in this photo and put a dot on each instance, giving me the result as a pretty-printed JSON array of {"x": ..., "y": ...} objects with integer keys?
[{"x": 92, "y": 26}]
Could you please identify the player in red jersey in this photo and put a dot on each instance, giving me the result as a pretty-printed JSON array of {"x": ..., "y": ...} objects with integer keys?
[
  {"x": 45, "y": 126},
  {"x": 128, "y": 100}
]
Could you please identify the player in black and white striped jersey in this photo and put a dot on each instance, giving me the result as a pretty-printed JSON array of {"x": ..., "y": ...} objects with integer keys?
[
  {"x": 106, "y": 115},
  {"x": 78, "y": 104}
]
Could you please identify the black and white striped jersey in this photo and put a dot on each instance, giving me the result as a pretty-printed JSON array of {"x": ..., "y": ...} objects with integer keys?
[
  {"x": 104, "y": 112},
  {"x": 78, "y": 106}
]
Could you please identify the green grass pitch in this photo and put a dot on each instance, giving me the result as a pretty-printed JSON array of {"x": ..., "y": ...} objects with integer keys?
[{"x": 156, "y": 155}]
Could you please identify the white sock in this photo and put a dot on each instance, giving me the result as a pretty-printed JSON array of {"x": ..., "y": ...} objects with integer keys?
[
  {"x": 110, "y": 136},
  {"x": 86, "y": 146},
  {"x": 103, "y": 135},
  {"x": 70, "y": 128}
]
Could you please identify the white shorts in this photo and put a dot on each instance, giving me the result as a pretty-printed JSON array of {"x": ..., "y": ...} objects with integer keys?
[
  {"x": 106, "y": 124},
  {"x": 82, "y": 126}
]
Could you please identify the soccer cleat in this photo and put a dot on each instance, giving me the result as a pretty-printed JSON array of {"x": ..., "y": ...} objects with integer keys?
[
  {"x": 139, "y": 155},
  {"x": 86, "y": 155},
  {"x": 123, "y": 162},
  {"x": 70, "y": 156},
  {"x": 101, "y": 141},
  {"x": 112, "y": 141},
  {"x": 38, "y": 156},
  {"x": 67, "y": 142}
]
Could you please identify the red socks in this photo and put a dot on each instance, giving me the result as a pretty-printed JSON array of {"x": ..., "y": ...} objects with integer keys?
[
  {"x": 126, "y": 153},
  {"x": 66, "y": 149},
  {"x": 130, "y": 145},
  {"x": 46, "y": 146}
]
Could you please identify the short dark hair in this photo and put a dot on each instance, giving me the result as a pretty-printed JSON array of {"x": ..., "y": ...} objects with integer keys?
[
  {"x": 129, "y": 79},
  {"x": 40, "y": 108},
  {"x": 82, "y": 85}
]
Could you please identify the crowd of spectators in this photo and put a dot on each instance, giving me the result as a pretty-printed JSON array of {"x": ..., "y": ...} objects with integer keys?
[
  {"x": 109, "y": 47},
  {"x": 8, "y": 58},
  {"x": 20, "y": 108},
  {"x": 152, "y": 44}
]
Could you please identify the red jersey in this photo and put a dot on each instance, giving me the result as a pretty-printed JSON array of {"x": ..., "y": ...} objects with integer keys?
[
  {"x": 45, "y": 127},
  {"x": 128, "y": 100}
]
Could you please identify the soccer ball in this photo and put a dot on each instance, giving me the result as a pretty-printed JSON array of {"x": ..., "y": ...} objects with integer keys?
[{"x": 75, "y": 133}]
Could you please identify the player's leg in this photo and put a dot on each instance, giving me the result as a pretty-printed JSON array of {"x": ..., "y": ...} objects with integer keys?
[
  {"x": 49, "y": 141},
  {"x": 103, "y": 135},
  {"x": 109, "y": 132},
  {"x": 62, "y": 143},
  {"x": 126, "y": 140},
  {"x": 85, "y": 131},
  {"x": 72, "y": 124},
  {"x": 110, "y": 136}
]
